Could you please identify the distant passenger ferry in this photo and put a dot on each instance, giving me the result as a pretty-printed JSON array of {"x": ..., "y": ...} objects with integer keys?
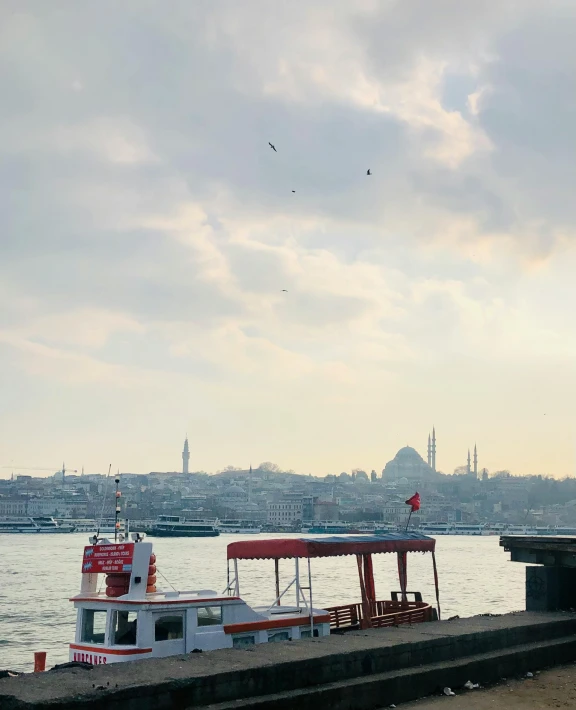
[
  {"x": 239, "y": 527},
  {"x": 175, "y": 526},
  {"x": 326, "y": 528},
  {"x": 87, "y": 525},
  {"x": 33, "y": 525},
  {"x": 454, "y": 529}
]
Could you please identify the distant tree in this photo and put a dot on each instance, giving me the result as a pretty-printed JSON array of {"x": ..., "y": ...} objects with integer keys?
[
  {"x": 270, "y": 467},
  {"x": 461, "y": 470},
  {"x": 502, "y": 474}
]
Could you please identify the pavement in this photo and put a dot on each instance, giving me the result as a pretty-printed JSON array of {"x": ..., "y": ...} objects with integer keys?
[{"x": 553, "y": 688}]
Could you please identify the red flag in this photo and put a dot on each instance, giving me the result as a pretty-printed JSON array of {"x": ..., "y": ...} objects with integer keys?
[{"x": 414, "y": 502}]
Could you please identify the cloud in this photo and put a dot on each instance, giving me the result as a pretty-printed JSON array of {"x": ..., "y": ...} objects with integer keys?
[{"x": 147, "y": 230}]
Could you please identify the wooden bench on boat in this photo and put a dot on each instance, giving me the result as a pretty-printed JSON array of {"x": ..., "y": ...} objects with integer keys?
[{"x": 387, "y": 613}]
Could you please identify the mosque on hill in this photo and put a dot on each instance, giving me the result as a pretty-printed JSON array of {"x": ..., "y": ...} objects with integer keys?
[{"x": 408, "y": 464}]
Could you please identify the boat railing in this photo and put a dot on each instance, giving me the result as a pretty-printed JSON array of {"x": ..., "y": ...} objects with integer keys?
[{"x": 384, "y": 613}]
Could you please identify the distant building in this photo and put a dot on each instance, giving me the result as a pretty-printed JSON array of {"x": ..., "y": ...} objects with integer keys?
[
  {"x": 469, "y": 470},
  {"x": 326, "y": 510},
  {"x": 285, "y": 512},
  {"x": 185, "y": 457},
  {"x": 13, "y": 506},
  {"x": 396, "y": 512},
  {"x": 407, "y": 464},
  {"x": 432, "y": 449}
]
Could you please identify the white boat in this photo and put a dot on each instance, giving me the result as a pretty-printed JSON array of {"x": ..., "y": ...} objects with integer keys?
[
  {"x": 26, "y": 524},
  {"x": 328, "y": 527},
  {"x": 239, "y": 527},
  {"x": 86, "y": 525},
  {"x": 175, "y": 526},
  {"x": 131, "y": 619},
  {"x": 436, "y": 529}
]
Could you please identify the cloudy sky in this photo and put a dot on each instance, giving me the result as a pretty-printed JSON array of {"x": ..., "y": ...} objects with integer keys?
[{"x": 147, "y": 232}]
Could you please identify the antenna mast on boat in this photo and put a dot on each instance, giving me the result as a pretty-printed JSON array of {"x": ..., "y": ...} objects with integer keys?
[
  {"x": 118, "y": 495},
  {"x": 103, "y": 502}
]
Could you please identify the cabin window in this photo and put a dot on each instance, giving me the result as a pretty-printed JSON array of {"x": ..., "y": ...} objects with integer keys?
[
  {"x": 93, "y": 625},
  {"x": 169, "y": 627},
  {"x": 242, "y": 641},
  {"x": 124, "y": 628},
  {"x": 209, "y": 615},
  {"x": 305, "y": 633},
  {"x": 278, "y": 636}
]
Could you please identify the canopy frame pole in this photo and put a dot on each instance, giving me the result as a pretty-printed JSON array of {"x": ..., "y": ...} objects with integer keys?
[
  {"x": 369, "y": 582},
  {"x": 236, "y": 579},
  {"x": 366, "y": 622},
  {"x": 436, "y": 585},
  {"x": 297, "y": 570},
  {"x": 277, "y": 600},
  {"x": 277, "y": 577},
  {"x": 403, "y": 574}
]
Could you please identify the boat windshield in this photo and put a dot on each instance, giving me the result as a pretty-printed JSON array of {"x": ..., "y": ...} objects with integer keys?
[
  {"x": 124, "y": 628},
  {"x": 93, "y": 625}
]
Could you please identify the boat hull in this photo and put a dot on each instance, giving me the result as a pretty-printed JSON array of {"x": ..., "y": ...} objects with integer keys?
[{"x": 183, "y": 533}]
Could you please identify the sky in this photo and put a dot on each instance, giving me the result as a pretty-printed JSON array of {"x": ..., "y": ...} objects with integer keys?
[{"x": 148, "y": 231}]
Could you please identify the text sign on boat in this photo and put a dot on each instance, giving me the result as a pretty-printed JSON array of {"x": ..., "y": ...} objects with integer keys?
[{"x": 108, "y": 558}]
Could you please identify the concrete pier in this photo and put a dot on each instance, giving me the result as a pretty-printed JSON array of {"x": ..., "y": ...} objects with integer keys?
[
  {"x": 358, "y": 670},
  {"x": 550, "y": 571}
]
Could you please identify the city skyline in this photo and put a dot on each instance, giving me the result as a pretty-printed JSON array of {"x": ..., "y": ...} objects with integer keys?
[
  {"x": 404, "y": 256},
  {"x": 470, "y": 465}
]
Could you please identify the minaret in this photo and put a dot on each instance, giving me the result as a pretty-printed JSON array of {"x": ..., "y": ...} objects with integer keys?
[
  {"x": 429, "y": 451},
  {"x": 434, "y": 449},
  {"x": 185, "y": 456},
  {"x": 250, "y": 486},
  {"x": 468, "y": 465},
  {"x": 475, "y": 462}
]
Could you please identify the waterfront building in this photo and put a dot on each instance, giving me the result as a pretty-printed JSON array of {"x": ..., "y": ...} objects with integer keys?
[{"x": 285, "y": 512}]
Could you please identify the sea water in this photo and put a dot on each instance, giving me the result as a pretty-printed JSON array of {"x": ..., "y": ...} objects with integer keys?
[{"x": 41, "y": 572}]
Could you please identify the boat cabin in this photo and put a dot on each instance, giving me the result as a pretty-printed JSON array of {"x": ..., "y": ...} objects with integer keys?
[{"x": 131, "y": 619}]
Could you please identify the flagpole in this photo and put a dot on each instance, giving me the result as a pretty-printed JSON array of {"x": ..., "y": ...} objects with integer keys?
[{"x": 408, "y": 523}]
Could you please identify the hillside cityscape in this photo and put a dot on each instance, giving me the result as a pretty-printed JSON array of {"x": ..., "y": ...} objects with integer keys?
[{"x": 283, "y": 500}]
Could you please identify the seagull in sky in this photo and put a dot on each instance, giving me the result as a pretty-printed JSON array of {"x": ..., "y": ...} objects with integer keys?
[
  {"x": 293, "y": 190},
  {"x": 271, "y": 146},
  {"x": 285, "y": 290},
  {"x": 368, "y": 172}
]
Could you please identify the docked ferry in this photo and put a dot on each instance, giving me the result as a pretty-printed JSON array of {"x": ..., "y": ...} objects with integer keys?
[
  {"x": 239, "y": 527},
  {"x": 325, "y": 528},
  {"x": 107, "y": 526},
  {"x": 128, "y": 618},
  {"x": 33, "y": 525},
  {"x": 175, "y": 526}
]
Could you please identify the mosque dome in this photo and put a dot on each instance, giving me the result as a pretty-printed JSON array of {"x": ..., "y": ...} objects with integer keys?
[
  {"x": 407, "y": 452},
  {"x": 406, "y": 466},
  {"x": 234, "y": 490}
]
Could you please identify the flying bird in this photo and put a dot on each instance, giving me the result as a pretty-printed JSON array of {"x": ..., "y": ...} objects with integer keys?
[
  {"x": 271, "y": 146},
  {"x": 368, "y": 172},
  {"x": 293, "y": 190},
  {"x": 285, "y": 290}
]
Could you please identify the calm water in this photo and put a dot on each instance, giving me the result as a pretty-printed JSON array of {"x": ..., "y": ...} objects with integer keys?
[{"x": 41, "y": 572}]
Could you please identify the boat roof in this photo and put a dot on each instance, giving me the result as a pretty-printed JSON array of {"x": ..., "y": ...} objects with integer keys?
[{"x": 330, "y": 546}]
